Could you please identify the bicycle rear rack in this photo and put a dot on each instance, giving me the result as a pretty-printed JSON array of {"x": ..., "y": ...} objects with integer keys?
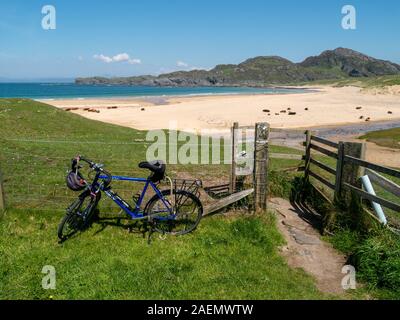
[{"x": 191, "y": 186}]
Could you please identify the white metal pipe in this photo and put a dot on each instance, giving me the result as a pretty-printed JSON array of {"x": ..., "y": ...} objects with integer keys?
[{"x": 377, "y": 207}]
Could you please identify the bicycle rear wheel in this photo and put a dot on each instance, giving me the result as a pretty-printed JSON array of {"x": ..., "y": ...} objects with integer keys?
[
  {"x": 79, "y": 215},
  {"x": 187, "y": 212}
]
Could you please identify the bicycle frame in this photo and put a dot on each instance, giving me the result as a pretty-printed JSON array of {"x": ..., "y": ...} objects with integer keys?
[{"x": 134, "y": 213}]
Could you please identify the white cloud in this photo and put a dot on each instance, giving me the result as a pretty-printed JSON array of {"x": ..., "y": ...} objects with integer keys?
[
  {"x": 80, "y": 58},
  {"x": 121, "y": 57},
  {"x": 103, "y": 58},
  {"x": 134, "y": 61},
  {"x": 182, "y": 64}
]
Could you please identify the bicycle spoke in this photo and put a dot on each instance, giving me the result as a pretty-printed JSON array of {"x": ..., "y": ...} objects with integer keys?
[
  {"x": 188, "y": 212},
  {"x": 79, "y": 215}
]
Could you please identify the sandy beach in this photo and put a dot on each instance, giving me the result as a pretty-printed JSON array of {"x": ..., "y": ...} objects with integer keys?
[{"x": 324, "y": 106}]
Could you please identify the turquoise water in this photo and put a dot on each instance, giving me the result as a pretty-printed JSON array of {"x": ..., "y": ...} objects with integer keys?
[{"x": 70, "y": 90}]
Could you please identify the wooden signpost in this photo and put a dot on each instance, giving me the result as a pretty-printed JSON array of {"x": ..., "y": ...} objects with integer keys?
[
  {"x": 232, "y": 183},
  {"x": 261, "y": 166}
]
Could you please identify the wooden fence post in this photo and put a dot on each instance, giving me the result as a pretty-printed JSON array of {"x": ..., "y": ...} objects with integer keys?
[
  {"x": 351, "y": 173},
  {"x": 2, "y": 201},
  {"x": 261, "y": 166},
  {"x": 308, "y": 155},
  {"x": 339, "y": 171},
  {"x": 232, "y": 183}
]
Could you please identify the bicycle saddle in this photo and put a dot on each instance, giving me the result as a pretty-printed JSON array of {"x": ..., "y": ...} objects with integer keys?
[{"x": 157, "y": 167}]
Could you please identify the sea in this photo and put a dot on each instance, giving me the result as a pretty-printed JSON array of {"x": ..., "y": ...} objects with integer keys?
[{"x": 75, "y": 91}]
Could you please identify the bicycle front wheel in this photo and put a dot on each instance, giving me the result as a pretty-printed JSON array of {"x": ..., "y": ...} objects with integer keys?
[
  {"x": 186, "y": 214},
  {"x": 78, "y": 216}
]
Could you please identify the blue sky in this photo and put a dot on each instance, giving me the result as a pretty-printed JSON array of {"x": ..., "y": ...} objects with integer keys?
[{"x": 167, "y": 35}]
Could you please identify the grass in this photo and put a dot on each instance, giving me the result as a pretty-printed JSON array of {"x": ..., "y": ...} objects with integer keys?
[
  {"x": 385, "y": 138},
  {"x": 362, "y": 82},
  {"x": 228, "y": 257},
  {"x": 381, "y": 81},
  {"x": 376, "y": 257}
]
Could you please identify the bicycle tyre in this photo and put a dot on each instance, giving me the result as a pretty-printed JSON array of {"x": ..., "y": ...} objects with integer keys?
[
  {"x": 168, "y": 226},
  {"x": 73, "y": 220}
]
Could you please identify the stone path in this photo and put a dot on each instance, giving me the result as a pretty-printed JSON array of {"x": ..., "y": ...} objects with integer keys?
[{"x": 304, "y": 248}]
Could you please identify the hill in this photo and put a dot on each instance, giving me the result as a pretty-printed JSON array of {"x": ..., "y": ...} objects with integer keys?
[
  {"x": 353, "y": 63},
  {"x": 335, "y": 64}
]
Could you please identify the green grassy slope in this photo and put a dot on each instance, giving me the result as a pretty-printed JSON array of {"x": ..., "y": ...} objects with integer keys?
[
  {"x": 367, "y": 82},
  {"x": 226, "y": 258}
]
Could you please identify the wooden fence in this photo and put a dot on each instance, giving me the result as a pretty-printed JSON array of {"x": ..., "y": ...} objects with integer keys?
[
  {"x": 259, "y": 137},
  {"x": 350, "y": 166}
]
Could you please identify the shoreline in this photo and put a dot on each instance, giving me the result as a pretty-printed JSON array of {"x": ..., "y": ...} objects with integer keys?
[
  {"x": 44, "y": 91},
  {"x": 104, "y": 101},
  {"x": 158, "y": 100},
  {"x": 175, "y": 96}
]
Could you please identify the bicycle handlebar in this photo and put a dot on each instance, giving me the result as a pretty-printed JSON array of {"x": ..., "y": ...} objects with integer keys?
[{"x": 95, "y": 166}]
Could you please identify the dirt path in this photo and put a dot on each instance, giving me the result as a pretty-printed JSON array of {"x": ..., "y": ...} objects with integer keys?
[{"x": 305, "y": 249}]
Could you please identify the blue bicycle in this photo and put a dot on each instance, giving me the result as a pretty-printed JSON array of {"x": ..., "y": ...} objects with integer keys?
[{"x": 175, "y": 211}]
